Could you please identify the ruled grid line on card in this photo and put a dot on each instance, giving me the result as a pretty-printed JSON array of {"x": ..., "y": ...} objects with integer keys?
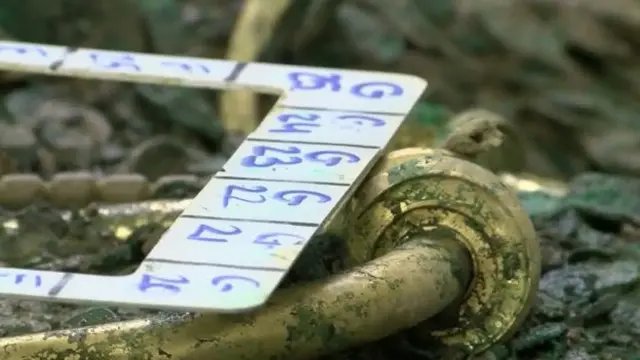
[
  {"x": 343, "y": 110},
  {"x": 251, "y": 220},
  {"x": 196, "y": 263},
  {"x": 251, "y": 138},
  {"x": 236, "y": 72},
  {"x": 224, "y": 175}
]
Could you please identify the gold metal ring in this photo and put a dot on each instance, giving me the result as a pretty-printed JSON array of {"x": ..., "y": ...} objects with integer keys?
[{"x": 422, "y": 189}]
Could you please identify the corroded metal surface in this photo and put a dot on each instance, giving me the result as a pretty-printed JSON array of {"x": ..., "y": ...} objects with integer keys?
[
  {"x": 421, "y": 189},
  {"x": 365, "y": 304},
  {"x": 425, "y": 225}
]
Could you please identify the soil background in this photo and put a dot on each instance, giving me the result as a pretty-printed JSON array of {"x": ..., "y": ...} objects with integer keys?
[{"x": 564, "y": 76}]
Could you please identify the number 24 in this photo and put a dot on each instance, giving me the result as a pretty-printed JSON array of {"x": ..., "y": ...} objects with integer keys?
[{"x": 328, "y": 158}]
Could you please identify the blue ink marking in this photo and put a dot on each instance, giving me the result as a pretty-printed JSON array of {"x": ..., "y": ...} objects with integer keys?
[
  {"x": 296, "y": 197},
  {"x": 191, "y": 68},
  {"x": 228, "y": 194},
  {"x": 333, "y": 82},
  {"x": 208, "y": 233},
  {"x": 335, "y": 157},
  {"x": 290, "y": 127},
  {"x": 24, "y": 50},
  {"x": 311, "y": 121},
  {"x": 114, "y": 61},
  {"x": 358, "y": 119},
  {"x": 252, "y": 160},
  {"x": 372, "y": 90},
  {"x": 225, "y": 282},
  {"x": 271, "y": 240},
  {"x": 290, "y": 197},
  {"x": 311, "y": 81},
  {"x": 149, "y": 281},
  {"x": 20, "y": 278}
]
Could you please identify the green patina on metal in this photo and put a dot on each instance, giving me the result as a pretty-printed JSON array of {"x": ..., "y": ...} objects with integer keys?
[
  {"x": 405, "y": 170},
  {"x": 131, "y": 342},
  {"x": 314, "y": 326}
]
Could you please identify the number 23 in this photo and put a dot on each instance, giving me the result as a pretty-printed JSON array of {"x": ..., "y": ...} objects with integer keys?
[{"x": 258, "y": 159}]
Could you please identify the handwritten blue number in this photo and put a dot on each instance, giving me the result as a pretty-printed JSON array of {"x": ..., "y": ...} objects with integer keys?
[
  {"x": 311, "y": 81},
  {"x": 259, "y": 151},
  {"x": 369, "y": 90},
  {"x": 149, "y": 281},
  {"x": 225, "y": 282},
  {"x": 335, "y": 157},
  {"x": 228, "y": 194},
  {"x": 188, "y": 67},
  {"x": 20, "y": 278},
  {"x": 207, "y": 233},
  {"x": 270, "y": 240},
  {"x": 292, "y": 127},
  {"x": 114, "y": 61},
  {"x": 26, "y": 50},
  {"x": 311, "y": 122},
  {"x": 290, "y": 197}
]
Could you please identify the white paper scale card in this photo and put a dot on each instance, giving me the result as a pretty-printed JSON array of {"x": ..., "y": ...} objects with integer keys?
[{"x": 239, "y": 236}]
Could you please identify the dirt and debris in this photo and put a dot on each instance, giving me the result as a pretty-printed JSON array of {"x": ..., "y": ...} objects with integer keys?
[{"x": 562, "y": 75}]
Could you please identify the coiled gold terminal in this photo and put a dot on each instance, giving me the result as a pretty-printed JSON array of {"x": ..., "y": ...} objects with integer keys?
[
  {"x": 425, "y": 232},
  {"x": 416, "y": 190}
]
